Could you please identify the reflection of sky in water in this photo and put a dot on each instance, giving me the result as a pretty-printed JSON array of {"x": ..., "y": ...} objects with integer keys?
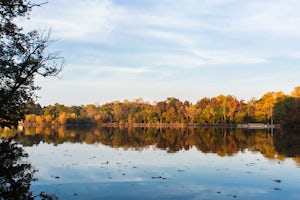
[{"x": 81, "y": 171}]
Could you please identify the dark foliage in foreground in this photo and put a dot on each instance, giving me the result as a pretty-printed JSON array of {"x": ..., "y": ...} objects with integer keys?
[{"x": 22, "y": 57}]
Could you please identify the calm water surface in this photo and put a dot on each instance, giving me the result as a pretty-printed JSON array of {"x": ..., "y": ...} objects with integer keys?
[{"x": 163, "y": 164}]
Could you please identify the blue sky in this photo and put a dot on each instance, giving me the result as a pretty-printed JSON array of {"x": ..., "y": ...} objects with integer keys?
[{"x": 188, "y": 49}]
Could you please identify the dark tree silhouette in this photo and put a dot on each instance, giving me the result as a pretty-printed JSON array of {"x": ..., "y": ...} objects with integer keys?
[
  {"x": 15, "y": 174},
  {"x": 22, "y": 57},
  {"x": 287, "y": 112}
]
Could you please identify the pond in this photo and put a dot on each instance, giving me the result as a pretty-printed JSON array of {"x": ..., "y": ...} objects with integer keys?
[{"x": 143, "y": 163}]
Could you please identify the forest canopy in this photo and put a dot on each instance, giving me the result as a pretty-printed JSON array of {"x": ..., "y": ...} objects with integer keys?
[{"x": 272, "y": 107}]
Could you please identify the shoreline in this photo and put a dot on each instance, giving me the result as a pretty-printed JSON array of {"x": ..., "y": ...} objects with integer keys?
[{"x": 158, "y": 125}]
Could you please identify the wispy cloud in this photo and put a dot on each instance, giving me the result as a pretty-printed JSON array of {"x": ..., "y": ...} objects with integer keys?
[
  {"x": 106, "y": 22},
  {"x": 270, "y": 17},
  {"x": 114, "y": 43},
  {"x": 78, "y": 20},
  {"x": 120, "y": 70}
]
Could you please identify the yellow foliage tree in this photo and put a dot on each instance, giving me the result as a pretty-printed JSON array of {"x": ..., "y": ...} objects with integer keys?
[
  {"x": 62, "y": 117},
  {"x": 264, "y": 106},
  {"x": 48, "y": 118},
  {"x": 30, "y": 118},
  {"x": 296, "y": 92},
  {"x": 39, "y": 119}
]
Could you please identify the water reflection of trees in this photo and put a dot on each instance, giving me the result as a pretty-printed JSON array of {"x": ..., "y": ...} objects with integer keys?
[
  {"x": 288, "y": 143},
  {"x": 15, "y": 174},
  {"x": 225, "y": 142}
]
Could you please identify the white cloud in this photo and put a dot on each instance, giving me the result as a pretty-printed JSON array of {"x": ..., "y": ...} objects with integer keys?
[
  {"x": 218, "y": 57},
  {"x": 119, "y": 70},
  {"x": 269, "y": 17},
  {"x": 91, "y": 20},
  {"x": 105, "y": 22},
  {"x": 112, "y": 46},
  {"x": 77, "y": 20}
]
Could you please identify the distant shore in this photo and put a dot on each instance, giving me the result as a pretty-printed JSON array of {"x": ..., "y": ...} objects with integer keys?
[
  {"x": 195, "y": 125},
  {"x": 160, "y": 125}
]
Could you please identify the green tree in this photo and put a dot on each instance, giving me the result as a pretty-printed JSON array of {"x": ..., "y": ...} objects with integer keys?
[
  {"x": 22, "y": 57},
  {"x": 287, "y": 111}
]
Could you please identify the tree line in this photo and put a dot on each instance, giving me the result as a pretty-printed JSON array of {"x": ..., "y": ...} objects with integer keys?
[{"x": 272, "y": 107}]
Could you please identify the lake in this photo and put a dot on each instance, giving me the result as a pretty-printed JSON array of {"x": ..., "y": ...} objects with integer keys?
[{"x": 143, "y": 163}]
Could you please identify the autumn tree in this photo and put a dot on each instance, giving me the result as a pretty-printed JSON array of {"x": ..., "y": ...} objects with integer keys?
[
  {"x": 296, "y": 92},
  {"x": 106, "y": 112},
  {"x": 62, "y": 118},
  {"x": 241, "y": 113},
  {"x": 190, "y": 112},
  {"x": 221, "y": 108},
  {"x": 232, "y": 107},
  {"x": 160, "y": 109},
  {"x": 91, "y": 110},
  {"x": 117, "y": 111},
  {"x": 200, "y": 108},
  {"x": 23, "y": 56},
  {"x": 250, "y": 109},
  {"x": 264, "y": 106},
  {"x": 173, "y": 107}
]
